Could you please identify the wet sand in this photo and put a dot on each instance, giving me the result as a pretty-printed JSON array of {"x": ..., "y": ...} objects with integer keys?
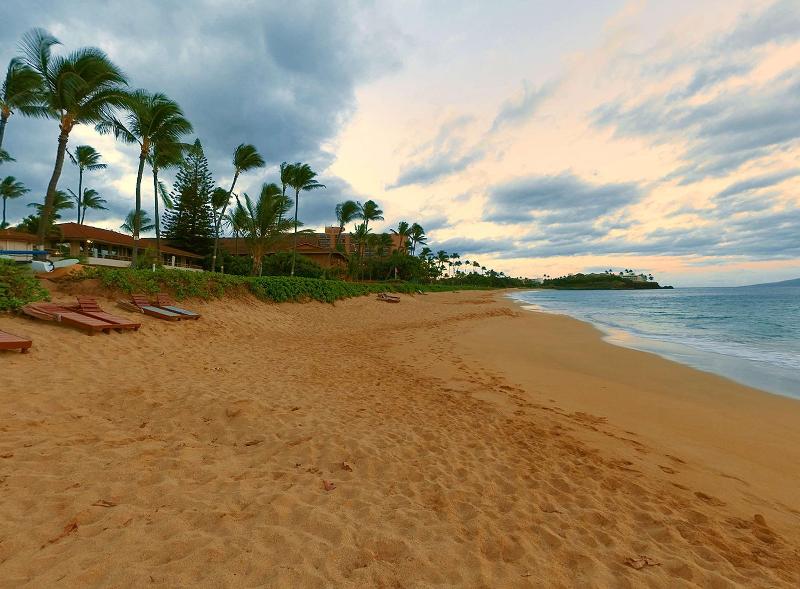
[{"x": 451, "y": 440}]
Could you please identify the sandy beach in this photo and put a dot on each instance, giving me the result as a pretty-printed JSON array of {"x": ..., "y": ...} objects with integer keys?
[{"x": 451, "y": 440}]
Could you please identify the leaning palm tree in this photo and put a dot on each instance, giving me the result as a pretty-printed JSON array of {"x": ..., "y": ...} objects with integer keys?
[
  {"x": 245, "y": 158},
  {"x": 91, "y": 200},
  {"x": 345, "y": 212},
  {"x": 302, "y": 178},
  {"x": 86, "y": 157},
  {"x": 417, "y": 237},
  {"x": 10, "y": 188},
  {"x": 262, "y": 222},
  {"x": 136, "y": 221},
  {"x": 150, "y": 118},
  {"x": 78, "y": 88},
  {"x": 403, "y": 231},
  {"x": 19, "y": 92}
]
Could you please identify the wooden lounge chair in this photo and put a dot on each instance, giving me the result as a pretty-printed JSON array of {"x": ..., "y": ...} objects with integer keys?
[
  {"x": 14, "y": 342},
  {"x": 140, "y": 303},
  {"x": 389, "y": 298},
  {"x": 164, "y": 301},
  {"x": 88, "y": 306},
  {"x": 67, "y": 316}
]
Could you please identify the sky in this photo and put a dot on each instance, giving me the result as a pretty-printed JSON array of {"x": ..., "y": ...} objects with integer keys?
[{"x": 536, "y": 137}]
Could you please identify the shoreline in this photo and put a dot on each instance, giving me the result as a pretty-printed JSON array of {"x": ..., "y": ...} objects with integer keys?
[
  {"x": 758, "y": 374},
  {"x": 469, "y": 443}
]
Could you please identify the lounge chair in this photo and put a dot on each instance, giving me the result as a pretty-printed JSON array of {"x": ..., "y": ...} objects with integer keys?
[
  {"x": 14, "y": 342},
  {"x": 140, "y": 303},
  {"x": 88, "y": 306},
  {"x": 67, "y": 316},
  {"x": 164, "y": 301},
  {"x": 388, "y": 297}
]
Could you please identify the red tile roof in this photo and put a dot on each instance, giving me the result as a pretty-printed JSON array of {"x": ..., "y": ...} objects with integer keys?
[
  {"x": 71, "y": 231},
  {"x": 17, "y": 235}
]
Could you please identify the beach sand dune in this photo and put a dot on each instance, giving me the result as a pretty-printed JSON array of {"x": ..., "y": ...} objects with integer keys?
[{"x": 452, "y": 440}]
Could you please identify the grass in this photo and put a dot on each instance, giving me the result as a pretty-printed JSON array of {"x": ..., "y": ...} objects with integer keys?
[{"x": 207, "y": 285}]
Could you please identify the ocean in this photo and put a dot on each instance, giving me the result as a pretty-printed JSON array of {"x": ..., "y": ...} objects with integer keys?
[{"x": 748, "y": 334}]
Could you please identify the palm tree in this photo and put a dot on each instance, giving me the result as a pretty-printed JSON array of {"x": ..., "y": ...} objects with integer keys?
[
  {"x": 61, "y": 202},
  {"x": 345, "y": 212},
  {"x": 149, "y": 118},
  {"x": 20, "y": 91},
  {"x": 361, "y": 237},
  {"x": 236, "y": 220},
  {"x": 5, "y": 156},
  {"x": 136, "y": 221},
  {"x": 417, "y": 237},
  {"x": 91, "y": 200},
  {"x": 404, "y": 232},
  {"x": 302, "y": 177},
  {"x": 263, "y": 222},
  {"x": 10, "y": 188},
  {"x": 286, "y": 174},
  {"x": 78, "y": 88},
  {"x": 369, "y": 211},
  {"x": 164, "y": 155},
  {"x": 442, "y": 259},
  {"x": 245, "y": 158},
  {"x": 384, "y": 244},
  {"x": 86, "y": 158}
]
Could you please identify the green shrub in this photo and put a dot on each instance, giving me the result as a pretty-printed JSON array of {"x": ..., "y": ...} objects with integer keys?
[
  {"x": 280, "y": 264},
  {"x": 18, "y": 286}
]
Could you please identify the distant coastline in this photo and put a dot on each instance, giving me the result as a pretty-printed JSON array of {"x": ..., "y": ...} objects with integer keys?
[{"x": 599, "y": 281}]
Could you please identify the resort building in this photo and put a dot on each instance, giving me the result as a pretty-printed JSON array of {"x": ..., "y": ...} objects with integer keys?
[
  {"x": 103, "y": 247},
  {"x": 18, "y": 243},
  {"x": 328, "y": 249}
]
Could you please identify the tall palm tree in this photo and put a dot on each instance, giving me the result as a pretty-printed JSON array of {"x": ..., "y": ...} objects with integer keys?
[
  {"x": 245, "y": 158},
  {"x": 361, "y": 237},
  {"x": 78, "y": 88},
  {"x": 91, "y": 200},
  {"x": 286, "y": 174},
  {"x": 417, "y": 237},
  {"x": 165, "y": 154},
  {"x": 20, "y": 91},
  {"x": 302, "y": 178},
  {"x": 262, "y": 222},
  {"x": 136, "y": 221},
  {"x": 10, "y": 188},
  {"x": 345, "y": 212},
  {"x": 442, "y": 259},
  {"x": 236, "y": 221},
  {"x": 149, "y": 118},
  {"x": 403, "y": 231},
  {"x": 86, "y": 157},
  {"x": 369, "y": 211}
]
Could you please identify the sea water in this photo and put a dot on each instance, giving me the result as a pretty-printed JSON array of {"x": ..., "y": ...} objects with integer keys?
[{"x": 748, "y": 334}]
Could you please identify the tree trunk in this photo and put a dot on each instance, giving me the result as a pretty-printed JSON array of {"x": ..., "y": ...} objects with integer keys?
[
  {"x": 4, "y": 214},
  {"x": 294, "y": 248},
  {"x": 218, "y": 222},
  {"x": 3, "y": 120},
  {"x": 158, "y": 221},
  {"x": 138, "y": 210},
  {"x": 49, "y": 199},
  {"x": 80, "y": 191}
]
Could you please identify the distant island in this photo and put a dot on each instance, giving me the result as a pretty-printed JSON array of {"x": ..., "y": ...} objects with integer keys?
[
  {"x": 793, "y": 282},
  {"x": 608, "y": 280}
]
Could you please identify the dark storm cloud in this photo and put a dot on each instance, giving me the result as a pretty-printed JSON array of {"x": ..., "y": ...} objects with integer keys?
[
  {"x": 280, "y": 75},
  {"x": 564, "y": 198}
]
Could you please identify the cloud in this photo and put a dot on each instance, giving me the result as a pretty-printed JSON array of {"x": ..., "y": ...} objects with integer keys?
[
  {"x": 778, "y": 23},
  {"x": 519, "y": 109},
  {"x": 758, "y": 182},
  {"x": 263, "y": 73},
  {"x": 564, "y": 198},
  {"x": 436, "y": 168}
]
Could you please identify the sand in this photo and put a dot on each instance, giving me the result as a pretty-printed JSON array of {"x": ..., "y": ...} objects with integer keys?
[{"x": 451, "y": 440}]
